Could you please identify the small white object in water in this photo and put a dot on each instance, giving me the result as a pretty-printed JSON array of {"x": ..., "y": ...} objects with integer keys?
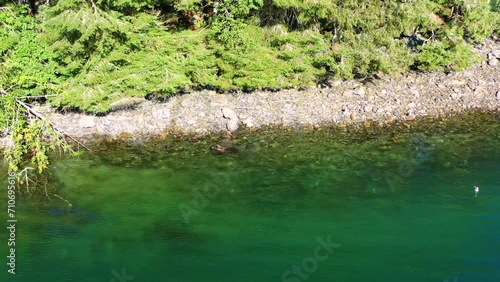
[{"x": 476, "y": 190}]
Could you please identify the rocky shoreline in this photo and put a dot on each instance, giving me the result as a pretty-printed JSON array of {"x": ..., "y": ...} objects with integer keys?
[{"x": 387, "y": 99}]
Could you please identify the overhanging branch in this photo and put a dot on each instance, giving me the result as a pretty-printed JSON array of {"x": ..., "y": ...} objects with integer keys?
[{"x": 41, "y": 117}]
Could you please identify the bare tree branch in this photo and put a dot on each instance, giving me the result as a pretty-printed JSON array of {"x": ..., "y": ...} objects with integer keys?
[{"x": 6, "y": 91}]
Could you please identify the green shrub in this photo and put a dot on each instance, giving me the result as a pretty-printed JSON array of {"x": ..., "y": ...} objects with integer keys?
[{"x": 27, "y": 68}]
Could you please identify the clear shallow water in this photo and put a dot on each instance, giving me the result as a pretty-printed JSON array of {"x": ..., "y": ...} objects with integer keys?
[{"x": 397, "y": 206}]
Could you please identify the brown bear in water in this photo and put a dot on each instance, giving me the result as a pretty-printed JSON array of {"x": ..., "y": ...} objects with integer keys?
[{"x": 223, "y": 150}]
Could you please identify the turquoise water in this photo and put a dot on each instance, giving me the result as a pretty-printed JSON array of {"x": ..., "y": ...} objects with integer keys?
[{"x": 294, "y": 206}]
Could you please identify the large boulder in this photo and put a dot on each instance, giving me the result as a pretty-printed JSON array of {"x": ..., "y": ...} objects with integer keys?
[{"x": 233, "y": 121}]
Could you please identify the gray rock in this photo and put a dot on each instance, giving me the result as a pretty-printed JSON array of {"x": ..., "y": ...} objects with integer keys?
[
  {"x": 232, "y": 125},
  {"x": 229, "y": 114},
  {"x": 496, "y": 53},
  {"x": 361, "y": 91},
  {"x": 87, "y": 121},
  {"x": 345, "y": 110},
  {"x": 493, "y": 62},
  {"x": 248, "y": 122}
]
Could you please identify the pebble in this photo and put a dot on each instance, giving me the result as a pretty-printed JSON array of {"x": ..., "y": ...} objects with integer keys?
[
  {"x": 229, "y": 114},
  {"x": 479, "y": 90},
  {"x": 361, "y": 91},
  {"x": 232, "y": 125}
]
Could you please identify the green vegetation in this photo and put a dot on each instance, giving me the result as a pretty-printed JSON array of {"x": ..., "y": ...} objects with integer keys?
[
  {"x": 88, "y": 54},
  {"x": 27, "y": 68}
]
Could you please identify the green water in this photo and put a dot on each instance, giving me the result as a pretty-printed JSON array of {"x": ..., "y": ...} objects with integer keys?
[{"x": 393, "y": 206}]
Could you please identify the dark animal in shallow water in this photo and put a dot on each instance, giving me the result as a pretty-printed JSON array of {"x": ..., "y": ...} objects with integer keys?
[{"x": 218, "y": 149}]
